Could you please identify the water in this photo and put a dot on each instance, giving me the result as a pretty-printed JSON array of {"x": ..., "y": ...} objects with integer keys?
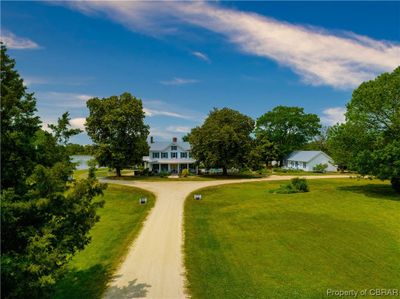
[{"x": 82, "y": 160}]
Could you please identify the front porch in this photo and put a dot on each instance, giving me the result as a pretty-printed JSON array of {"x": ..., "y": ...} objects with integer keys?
[{"x": 173, "y": 168}]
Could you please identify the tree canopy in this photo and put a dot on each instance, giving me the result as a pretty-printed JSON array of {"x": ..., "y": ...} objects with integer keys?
[
  {"x": 45, "y": 214},
  {"x": 369, "y": 141},
  {"x": 289, "y": 128},
  {"x": 116, "y": 126},
  {"x": 223, "y": 141}
]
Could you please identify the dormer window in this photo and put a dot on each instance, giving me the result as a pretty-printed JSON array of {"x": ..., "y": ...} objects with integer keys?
[
  {"x": 174, "y": 147},
  {"x": 156, "y": 155}
]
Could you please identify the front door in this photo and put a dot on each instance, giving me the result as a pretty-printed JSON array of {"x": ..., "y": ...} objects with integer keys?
[{"x": 174, "y": 168}]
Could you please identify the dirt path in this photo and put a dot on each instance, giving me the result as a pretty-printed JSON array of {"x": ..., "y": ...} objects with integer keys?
[{"x": 153, "y": 267}]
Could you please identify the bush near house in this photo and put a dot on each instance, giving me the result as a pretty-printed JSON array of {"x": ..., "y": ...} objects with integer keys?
[
  {"x": 184, "y": 173},
  {"x": 320, "y": 168}
]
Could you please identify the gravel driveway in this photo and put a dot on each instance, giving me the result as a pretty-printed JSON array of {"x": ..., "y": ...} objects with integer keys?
[{"x": 153, "y": 267}]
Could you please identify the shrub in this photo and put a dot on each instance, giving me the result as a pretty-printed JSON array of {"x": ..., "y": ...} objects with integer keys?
[
  {"x": 184, "y": 173},
  {"x": 284, "y": 170},
  {"x": 163, "y": 174},
  {"x": 300, "y": 184},
  {"x": 296, "y": 185},
  {"x": 320, "y": 167}
]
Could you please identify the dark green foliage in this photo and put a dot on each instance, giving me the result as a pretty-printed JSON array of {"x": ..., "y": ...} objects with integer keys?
[
  {"x": 163, "y": 174},
  {"x": 45, "y": 216},
  {"x": 78, "y": 149},
  {"x": 288, "y": 128},
  {"x": 18, "y": 127},
  {"x": 223, "y": 141},
  {"x": 116, "y": 126},
  {"x": 320, "y": 167},
  {"x": 319, "y": 142},
  {"x": 369, "y": 141},
  {"x": 296, "y": 185},
  {"x": 262, "y": 153}
]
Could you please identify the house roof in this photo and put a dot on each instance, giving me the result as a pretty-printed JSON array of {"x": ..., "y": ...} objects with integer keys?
[
  {"x": 160, "y": 146},
  {"x": 304, "y": 156}
]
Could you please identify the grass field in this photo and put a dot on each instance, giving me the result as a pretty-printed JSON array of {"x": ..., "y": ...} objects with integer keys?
[
  {"x": 241, "y": 241},
  {"x": 120, "y": 221}
]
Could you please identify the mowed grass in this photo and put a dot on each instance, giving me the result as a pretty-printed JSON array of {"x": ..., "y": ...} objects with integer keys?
[
  {"x": 121, "y": 219},
  {"x": 241, "y": 241}
]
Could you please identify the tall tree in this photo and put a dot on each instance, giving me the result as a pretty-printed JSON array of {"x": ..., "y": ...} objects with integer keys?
[
  {"x": 223, "y": 141},
  {"x": 18, "y": 127},
  {"x": 262, "y": 153},
  {"x": 369, "y": 141},
  {"x": 319, "y": 142},
  {"x": 45, "y": 215},
  {"x": 289, "y": 128},
  {"x": 116, "y": 126}
]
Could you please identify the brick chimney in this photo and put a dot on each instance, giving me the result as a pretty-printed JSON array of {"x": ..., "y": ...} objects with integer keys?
[{"x": 174, "y": 139}]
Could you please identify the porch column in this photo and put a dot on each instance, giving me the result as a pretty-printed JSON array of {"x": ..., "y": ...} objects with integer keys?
[
  {"x": 169, "y": 167},
  {"x": 159, "y": 167}
]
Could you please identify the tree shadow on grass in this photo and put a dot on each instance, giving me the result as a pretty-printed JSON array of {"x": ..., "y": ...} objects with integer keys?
[
  {"x": 132, "y": 290},
  {"x": 88, "y": 283},
  {"x": 381, "y": 191}
]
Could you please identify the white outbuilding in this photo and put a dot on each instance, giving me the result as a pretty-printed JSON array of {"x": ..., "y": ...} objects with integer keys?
[{"x": 306, "y": 160}]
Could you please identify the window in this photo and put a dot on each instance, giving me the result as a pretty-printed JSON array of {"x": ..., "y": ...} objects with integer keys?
[
  {"x": 164, "y": 155},
  {"x": 174, "y": 155},
  {"x": 156, "y": 155},
  {"x": 173, "y": 148},
  {"x": 304, "y": 164},
  {"x": 183, "y": 155}
]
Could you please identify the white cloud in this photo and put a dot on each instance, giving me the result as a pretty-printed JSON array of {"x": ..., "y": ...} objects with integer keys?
[
  {"x": 334, "y": 115},
  {"x": 178, "y": 129},
  {"x": 153, "y": 112},
  {"x": 63, "y": 99},
  {"x": 179, "y": 81},
  {"x": 78, "y": 122},
  {"x": 318, "y": 56},
  {"x": 17, "y": 43},
  {"x": 201, "y": 56}
]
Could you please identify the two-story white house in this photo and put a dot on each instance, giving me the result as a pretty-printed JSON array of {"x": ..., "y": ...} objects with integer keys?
[
  {"x": 306, "y": 160},
  {"x": 170, "y": 157}
]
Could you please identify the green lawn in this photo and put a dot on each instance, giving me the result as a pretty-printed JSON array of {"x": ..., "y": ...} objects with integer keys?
[
  {"x": 241, "y": 241},
  {"x": 120, "y": 221}
]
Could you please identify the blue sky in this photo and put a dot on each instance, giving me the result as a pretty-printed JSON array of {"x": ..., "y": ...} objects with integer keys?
[{"x": 184, "y": 58}]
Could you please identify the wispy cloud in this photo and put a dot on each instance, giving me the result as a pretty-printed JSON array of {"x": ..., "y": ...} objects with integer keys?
[
  {"x": 318, "y": 56},
  {"x": 30, "y": 80},
  {"x": 153, "y": 112},
  {"x": 178, "y": 129},
  {"x": 179, "y": 81},
  {"x": 63, "y": 99},
  {"x": 153, "y": 108},
  {"x": 169, "y": 132},
  {"x": 201, "y": 56},
  {"x": 17, "y": 43},
  {"x": 332, "y": 116}
]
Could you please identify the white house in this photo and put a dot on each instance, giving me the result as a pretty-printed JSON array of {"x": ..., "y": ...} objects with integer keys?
[
  {"x": 170, "y": 157},
  {"x": 306, "y": 160}
]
